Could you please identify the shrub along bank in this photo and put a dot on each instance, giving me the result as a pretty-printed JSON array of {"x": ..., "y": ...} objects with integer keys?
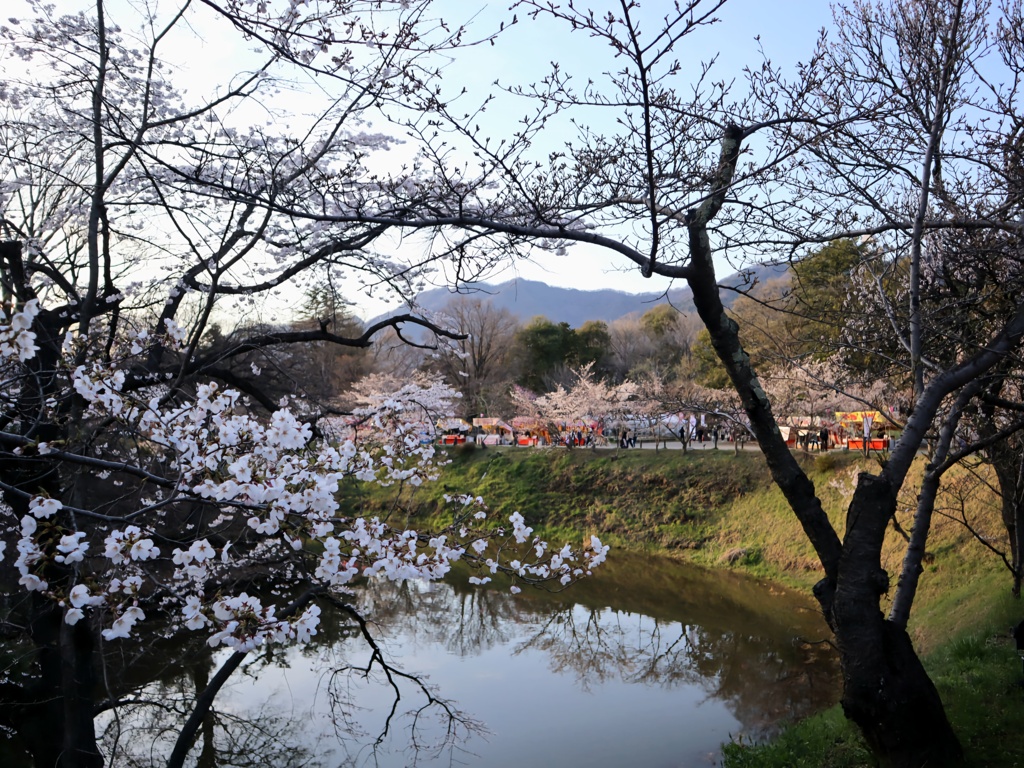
[{"x": 721, "y": 510}]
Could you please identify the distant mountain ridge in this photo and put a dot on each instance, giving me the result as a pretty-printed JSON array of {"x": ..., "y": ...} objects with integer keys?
[{"x": 526, "y": 299}]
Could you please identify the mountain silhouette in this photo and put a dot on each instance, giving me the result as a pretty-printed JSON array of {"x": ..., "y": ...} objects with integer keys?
[{"x": 526, "y": 299}]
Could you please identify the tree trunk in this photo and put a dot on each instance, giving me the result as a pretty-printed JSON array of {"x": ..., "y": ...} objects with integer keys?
[
  {"x": 886, "y": 690},
  {"x": 888, "y": 694},
  {"x": 1008, "y": 463},
  {"x": 58, "y": 724},
  {"x": 1009, "y": 468},
  {"x": 200, "y": 680}
]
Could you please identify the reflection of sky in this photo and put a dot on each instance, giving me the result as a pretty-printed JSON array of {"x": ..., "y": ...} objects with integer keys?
[
  {"x": 554, "y": 683},
  {"x": 650, "y": 663},
  {"x": 535, "y": 715}
]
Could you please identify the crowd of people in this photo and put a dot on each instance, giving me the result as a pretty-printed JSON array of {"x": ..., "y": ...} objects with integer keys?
[{"x": 687, "y": 432}]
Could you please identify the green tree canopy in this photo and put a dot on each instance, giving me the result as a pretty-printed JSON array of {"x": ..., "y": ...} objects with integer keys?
[
  {"x": 542, "y": 347},
  {"x": 593, "y": 345}
]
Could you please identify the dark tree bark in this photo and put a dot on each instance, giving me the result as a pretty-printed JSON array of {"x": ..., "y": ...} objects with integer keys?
[
  {"x": 1007, "y": 461},
  {"x": 886, "y": 690},
  {"x": 63, "y": 693}
]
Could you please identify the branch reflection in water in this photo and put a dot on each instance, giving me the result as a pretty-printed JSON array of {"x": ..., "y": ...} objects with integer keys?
[{"x": 651, "y": 662}]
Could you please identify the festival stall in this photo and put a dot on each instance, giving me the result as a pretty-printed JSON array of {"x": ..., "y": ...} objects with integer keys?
[
  {"x": 579, "y": 431},
  {"x": 861, "y": 426},
  {"x": 530, "y": 431},
  {"x": 453, "y": 431},
  {"x": 493, "y": 431},
  {"x": 808, "y": 432}
]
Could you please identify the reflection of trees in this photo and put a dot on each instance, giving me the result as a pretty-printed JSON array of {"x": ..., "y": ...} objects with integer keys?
[
  {"x": 151, "y": 694},
  {"x": 761, "y": 679},
  {"x": 148, "y": 688},
  {"x": 432, "y": 726},
  {"x": 640, "y": 623},
  {"x": 243, "y": 732},
  {"x": 462, "y": 619},
  {"x": 227, "y": 740},
  {"x": 731, "y": 637}
]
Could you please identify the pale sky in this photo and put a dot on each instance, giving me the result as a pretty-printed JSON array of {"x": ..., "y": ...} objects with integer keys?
[{"x": 787, "y": 31}]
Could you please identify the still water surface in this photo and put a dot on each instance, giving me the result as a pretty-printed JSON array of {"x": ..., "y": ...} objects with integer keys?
[{"x": 650, "y": 663}]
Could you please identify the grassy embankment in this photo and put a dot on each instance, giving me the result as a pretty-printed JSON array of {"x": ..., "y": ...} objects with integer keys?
[{"x": 721, "y": 510}]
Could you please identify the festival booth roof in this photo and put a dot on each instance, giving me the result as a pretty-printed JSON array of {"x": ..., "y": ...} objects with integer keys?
[
  {"x": 485, "y": 422},
  {"x": 450, "y": 425},
  {"x": 528, "y": 422},
  {"x": 848, "y": 418}
]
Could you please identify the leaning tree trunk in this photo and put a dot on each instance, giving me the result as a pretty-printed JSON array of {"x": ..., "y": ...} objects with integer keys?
[{"x": 886, "y": 690}]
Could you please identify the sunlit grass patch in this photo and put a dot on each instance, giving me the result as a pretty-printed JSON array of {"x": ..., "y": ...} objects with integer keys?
[{"x": 827, "y": 740}]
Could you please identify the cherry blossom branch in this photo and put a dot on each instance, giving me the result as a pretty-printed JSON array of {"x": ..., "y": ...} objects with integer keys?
[{"x": 204, "y": 699}]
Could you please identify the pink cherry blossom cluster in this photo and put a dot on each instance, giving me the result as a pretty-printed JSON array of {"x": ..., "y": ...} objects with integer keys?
[{"x": 274, "y": 487}]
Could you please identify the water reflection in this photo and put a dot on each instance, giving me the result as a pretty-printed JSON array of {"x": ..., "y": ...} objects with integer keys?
[{"x": 652, "y": 663}]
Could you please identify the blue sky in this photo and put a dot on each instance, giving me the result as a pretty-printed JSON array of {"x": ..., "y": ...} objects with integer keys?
[{"x": 787, "y": 31}]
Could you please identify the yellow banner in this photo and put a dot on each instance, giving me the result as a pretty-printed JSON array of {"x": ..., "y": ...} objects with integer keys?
[{"x": 857, "y": 417}]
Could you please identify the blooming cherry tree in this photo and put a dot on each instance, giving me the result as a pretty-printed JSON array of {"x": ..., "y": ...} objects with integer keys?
[
  {"x": 148, "y": 488},
  {"x": 224, "y": 491},
  {"x": 588, "y": 399},
  {"x": 876, "y": 135}
]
